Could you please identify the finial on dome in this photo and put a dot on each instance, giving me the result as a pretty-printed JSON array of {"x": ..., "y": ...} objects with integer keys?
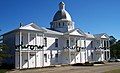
[{"x": 61, "y": 5}]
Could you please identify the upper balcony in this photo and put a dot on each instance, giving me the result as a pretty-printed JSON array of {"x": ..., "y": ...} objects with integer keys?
[
  {"x": 29, "y": 47},
  {"x": 74, "y": 49},
  {"x": 102, "y": 48}
]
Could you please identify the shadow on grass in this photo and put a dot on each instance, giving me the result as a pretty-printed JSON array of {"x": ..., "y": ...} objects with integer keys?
[
  {"x": 6, "y": 67},
  {"x": 83, "y": 64}
]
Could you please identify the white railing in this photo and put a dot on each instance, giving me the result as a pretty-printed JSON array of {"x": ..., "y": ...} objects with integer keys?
[
  {"x": 74, "y": 49},
  {"x": 29, "y": 47}
]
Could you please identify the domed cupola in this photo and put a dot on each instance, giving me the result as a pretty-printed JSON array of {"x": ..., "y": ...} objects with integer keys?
[
  {"x": 62, "y": 20},
  {"x": 62, "y": 14}
]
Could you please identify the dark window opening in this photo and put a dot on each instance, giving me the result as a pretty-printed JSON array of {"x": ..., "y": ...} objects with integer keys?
[
  {"x": 91, "y": 44},
  {"x": 45, "y": 42},
  {"x": 59, "y": 24},
  {"x": 91, "y": 56},
  {"x": 45, "y": 57},
  {"x": 56, "y": 57},
  {"x": 63, "y": 23},
  {"x": 67, "y": 43},
  {"x": 76, "y": 42},
  {"x": 56, "y": 42}
]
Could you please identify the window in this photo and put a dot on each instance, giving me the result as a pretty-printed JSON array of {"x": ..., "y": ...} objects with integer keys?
[
  {"x": 59, "y": 24},
  {"x": 108, "y": 55},
  {"x": 91, "y": 56},
  {"x": 56, "y": 42},
  {"x": 63, "y": 23},
  {"x": 45, "y": 42},
  {"x": 56, "y": 57},
  {"x": 76, "y": 43},
  {"x": 45, "y": 57},
  {"x": 67, "y": 43},
  {"x": 51, "y": 55},
  {"x": 22, "y": 40},
  {"x": 84, "y": 43},
  {"x": 107, "y": 43},
  {"x": 91, "y": 44},
  {"x": 104, "y": 43},
  {"x": 105, "y": 55}
]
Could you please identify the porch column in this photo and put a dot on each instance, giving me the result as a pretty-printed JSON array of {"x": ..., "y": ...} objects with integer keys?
[
  {"x": 43, "y": 50},
  {"x": 75, "y": 50},
  {"x": 28, "y": 48},
  {"x": 106, "y": 55},
  {"x": 100, "y": 49},
  {"x": 106, "y": 44},
  {"x": 35, "y": 50},
  {"x": 80, "y": 50},
  {"x": 28, "y": 38},
  {"x": 85, "y": 49},
  {"x": 103, "y": 44},
  {"x": 109, "y": 48},
  {"x": 20, "y": 40},
  {"x": 69, "y": 51},
  {"x": 109, "y": 44},
  {"x": 109, "y": 54}
]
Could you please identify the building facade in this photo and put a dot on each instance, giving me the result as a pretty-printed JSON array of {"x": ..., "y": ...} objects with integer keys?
[{"x": 33, "y": 46}]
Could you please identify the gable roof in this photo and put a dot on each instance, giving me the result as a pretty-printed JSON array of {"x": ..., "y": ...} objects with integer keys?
[
  {"x": 75, "y": 32},
  {"x": 32, "y": 26},
  {"x": 102, "y": 36}
]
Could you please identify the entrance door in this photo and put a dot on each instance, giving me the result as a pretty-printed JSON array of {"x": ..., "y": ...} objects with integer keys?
[
  {"x": 32, "y": 60},
  {"x": 24, "y": 60},
  {"x": 105, "y": 55}
]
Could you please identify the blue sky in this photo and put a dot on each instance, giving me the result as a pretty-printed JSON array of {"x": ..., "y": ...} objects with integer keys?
[{"x": 94, "y": 16}]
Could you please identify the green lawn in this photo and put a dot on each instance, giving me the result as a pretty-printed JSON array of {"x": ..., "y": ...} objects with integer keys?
[
  {"x": 113, "y": 71},
  {"x": 3, "y": 70}
]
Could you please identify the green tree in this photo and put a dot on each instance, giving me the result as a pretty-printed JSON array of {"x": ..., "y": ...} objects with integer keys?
[
  {"x": 112, "y": 40},
  {"x": 3, "y": 52},
  {"x": 115, "y": 49}
]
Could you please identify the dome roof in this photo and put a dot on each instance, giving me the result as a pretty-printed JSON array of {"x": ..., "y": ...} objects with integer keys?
[{"x": 62, "y": 14}]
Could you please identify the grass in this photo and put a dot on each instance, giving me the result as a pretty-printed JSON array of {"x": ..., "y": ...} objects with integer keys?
[
  {"x": 6, "y": 67},
  {"x": 3, "y": 70},
  {"x": 113, "y": 71}
]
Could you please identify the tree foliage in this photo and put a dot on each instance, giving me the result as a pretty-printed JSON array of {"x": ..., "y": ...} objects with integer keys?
[
  {"x": 3, "y": 51},
  {"x": 112, "y": 40},
  {"x": 115, "y": 47}
]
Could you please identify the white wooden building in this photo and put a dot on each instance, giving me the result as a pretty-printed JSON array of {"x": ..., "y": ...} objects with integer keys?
[{"x": 33, "y": 46}]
